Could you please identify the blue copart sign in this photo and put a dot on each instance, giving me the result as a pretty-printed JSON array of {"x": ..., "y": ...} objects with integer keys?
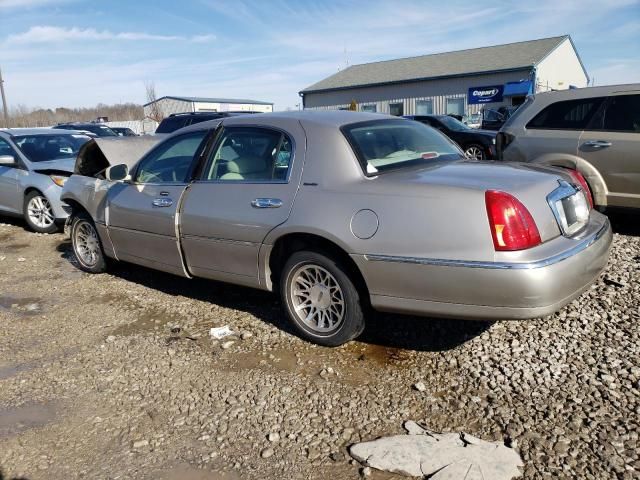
[{"x": 488, "y": 94}]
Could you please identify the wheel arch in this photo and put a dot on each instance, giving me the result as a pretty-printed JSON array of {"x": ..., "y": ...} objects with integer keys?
[
  {"x": 591, "y": 174},
  {"x": 291, "y": 242}
]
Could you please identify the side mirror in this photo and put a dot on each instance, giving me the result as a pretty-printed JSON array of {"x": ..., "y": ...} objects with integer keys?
[
  {"x": 7, "y": 160},
  {"x": 116, "y": 173}
]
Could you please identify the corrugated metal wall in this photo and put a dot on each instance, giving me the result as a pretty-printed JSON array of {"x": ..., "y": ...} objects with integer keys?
[{"x": 438, "y": 91}]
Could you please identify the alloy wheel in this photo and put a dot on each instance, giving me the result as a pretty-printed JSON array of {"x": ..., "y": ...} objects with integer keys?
[
  {"x": 86, "y": 243},
  {"x": 40, "y": 212},
  {"x": 317, "y": 298},
  {"x": 474, "y": 153}
]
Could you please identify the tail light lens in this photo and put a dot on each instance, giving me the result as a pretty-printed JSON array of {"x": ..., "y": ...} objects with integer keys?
[
  {"x": 512, "y": 226},
  {"x": 579, "y": 179}
]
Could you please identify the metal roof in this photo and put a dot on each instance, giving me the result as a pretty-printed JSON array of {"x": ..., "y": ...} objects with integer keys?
[
  {"x": 212, "y": 100},
  {"x": 497, "y": 58}
]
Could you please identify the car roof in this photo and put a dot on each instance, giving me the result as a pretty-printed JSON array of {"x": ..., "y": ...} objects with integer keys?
[
  {"x": 587, "y": 92},
  {"x": 39, "y": 131},
  {"x": 327, "y": 118}
]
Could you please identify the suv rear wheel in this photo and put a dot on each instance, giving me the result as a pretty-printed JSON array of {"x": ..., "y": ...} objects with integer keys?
[{"x": 322, "y": 302}]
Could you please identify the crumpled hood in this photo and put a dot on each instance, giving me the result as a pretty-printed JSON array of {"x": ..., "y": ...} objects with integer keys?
[
  {"x": 99, "y": 153},
  {"x": 60, "y": 164}
]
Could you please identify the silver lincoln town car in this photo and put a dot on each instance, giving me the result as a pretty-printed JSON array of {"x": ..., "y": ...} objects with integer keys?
[{"x": 339, "y": 211}]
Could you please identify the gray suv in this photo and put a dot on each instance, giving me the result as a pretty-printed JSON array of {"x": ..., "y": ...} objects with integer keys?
[{"x": 593, "y": 131}]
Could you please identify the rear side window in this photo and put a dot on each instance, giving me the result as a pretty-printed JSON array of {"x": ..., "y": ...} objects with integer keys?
[
  {"x": 567, "y": 115},
  {"x": 621, "y": 114},
  {"x": 252, "y": 154},
  {"x": 171, "y": 124}
]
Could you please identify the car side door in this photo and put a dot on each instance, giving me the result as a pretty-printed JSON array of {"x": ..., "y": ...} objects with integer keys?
[
  {"x": 141, "y": 215},
  {"x": 557, "y": 127},
  {"x": 11, "y": 199},
  {"x": 611, "y": 144},
  {"x": 247, "y": 188}
]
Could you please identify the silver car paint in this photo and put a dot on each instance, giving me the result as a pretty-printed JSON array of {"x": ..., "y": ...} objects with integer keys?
[
  {"x": 422, "y": 216},
  {"x": 16, "y": 181}
]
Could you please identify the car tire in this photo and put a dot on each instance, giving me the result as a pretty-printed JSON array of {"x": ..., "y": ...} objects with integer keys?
[
  {"x": 38, "y": 213},
  {"x": 321, "y": 300},
  {"x": 86, "y": 244},
  {"x": 474, "y": 152}
]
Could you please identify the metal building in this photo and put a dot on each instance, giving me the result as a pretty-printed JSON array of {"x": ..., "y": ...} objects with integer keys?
[
  {"x": 460, "y": 82},
  {"x": 171, "y": 104}
]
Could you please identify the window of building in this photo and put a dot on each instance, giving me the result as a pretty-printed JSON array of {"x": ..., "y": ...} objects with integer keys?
[
  {"x": 455, "y": 106},
  {"x": 424, "y": 107},
  {"x": 396, "y": 109},
  {"x": 567, "y": 115},
  {"x": 368, "y": 108}
]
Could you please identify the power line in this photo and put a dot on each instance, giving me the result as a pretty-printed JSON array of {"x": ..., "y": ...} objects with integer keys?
[{"x": 4, "y": 102}]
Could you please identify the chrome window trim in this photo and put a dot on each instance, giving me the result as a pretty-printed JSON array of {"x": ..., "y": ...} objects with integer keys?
[{"x": 440, "y": 262}]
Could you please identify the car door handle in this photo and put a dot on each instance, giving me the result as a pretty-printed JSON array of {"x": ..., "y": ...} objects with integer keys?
[
  {"x": 266, "y": 203},
  {"x": 162, "y": 202},
  {"x": 597, "y": 144}
]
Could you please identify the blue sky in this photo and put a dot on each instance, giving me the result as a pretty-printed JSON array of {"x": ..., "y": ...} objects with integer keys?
[{"x": 79, "y": 53}]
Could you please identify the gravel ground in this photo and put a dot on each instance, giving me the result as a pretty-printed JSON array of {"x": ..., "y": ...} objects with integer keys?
[{"x": 115, "y": 376}]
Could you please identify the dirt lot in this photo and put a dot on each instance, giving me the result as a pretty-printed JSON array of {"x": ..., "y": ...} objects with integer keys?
[{"x": 115, "y": 376}]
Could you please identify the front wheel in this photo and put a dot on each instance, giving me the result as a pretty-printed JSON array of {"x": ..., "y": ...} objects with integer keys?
[
  {"x": 87, "y": 246},
  {"x": 321, "y": 300},
  {"x": 38, "y": 213},
  {"x": 474, "y": 152}
]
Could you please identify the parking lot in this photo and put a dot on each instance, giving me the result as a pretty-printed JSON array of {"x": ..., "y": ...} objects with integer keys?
[{"x": 116, "y": 376}]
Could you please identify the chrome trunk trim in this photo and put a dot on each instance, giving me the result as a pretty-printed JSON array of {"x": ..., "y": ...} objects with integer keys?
[{"x": 440, "y": 262}]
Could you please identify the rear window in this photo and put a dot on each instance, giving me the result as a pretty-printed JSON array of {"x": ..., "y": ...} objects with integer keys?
[
  {"x": 621, "y": 114},
  {"x": 567, "y": 115},
  {"x": 383, "y": 145}
]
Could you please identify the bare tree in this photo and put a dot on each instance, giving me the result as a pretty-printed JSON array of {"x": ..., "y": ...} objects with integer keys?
[
  {"x": 23, "y": 116},
  {"x": 154, "y": 111}
]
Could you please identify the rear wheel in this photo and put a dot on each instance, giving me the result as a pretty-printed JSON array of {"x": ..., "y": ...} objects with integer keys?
[
  {"x": 87, "y": 246},
  {"x": 321, "y": 300},
  {"x": 474, "y": 152},
  {"x": 38, "y": 213}
]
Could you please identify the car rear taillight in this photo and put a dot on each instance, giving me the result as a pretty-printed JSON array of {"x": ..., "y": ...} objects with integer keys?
[
  {"x": 512, "y": 226},
  {"x": 580, "y": 180}
]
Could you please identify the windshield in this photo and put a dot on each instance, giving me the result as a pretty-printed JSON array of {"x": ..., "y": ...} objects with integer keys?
[
  {"x": 382, "y": 145},
  {"x": 42, "y": 148},
  {"x": 453, "y": 124}
]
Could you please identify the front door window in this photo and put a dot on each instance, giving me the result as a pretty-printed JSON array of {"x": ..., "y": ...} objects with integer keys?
[{"x": 170, "y": 162}]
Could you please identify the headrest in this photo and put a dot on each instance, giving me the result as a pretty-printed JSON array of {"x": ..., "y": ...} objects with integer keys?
[{"x": 246, "y": 164}]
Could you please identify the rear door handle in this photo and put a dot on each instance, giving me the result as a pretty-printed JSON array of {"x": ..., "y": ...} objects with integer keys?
[
  {"x": 266, "y": 203},
  {"x": 162, "y": 202},
  {"x": 597, "y": 144}
]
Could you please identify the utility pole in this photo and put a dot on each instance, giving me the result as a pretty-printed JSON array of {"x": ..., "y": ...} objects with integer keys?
[{"x": 4, "y": 102}]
